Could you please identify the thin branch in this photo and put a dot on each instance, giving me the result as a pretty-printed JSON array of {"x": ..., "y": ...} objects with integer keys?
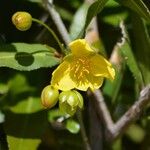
[
  {"x": 102, "y": 110},
  {"x": 116, "y": 129},
  {"x": 83, "y": 132},
  {"x": 133, "y": 113},
  {"x": 58, "y": 21},
  {"x": 95, "y": 127}
]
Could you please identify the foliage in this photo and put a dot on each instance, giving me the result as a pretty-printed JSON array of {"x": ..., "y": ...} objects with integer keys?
[{"x": 28, "y": 58}]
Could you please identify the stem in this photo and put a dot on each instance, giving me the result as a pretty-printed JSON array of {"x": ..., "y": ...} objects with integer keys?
[
  {"x": 58, "y": 21},
  {"x": 51, "y": 31},
  {"x": 102, "y": 109},
  {"x": 133, "y": 113},
  {"x": 83, "y": 132},
  {"x": 116, "y": 129}
]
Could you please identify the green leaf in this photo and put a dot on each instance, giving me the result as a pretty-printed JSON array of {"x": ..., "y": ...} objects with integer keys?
[
  {"x": 17, "y": 85},
  {"x": 25, "y": 119},
  {"x": 141, "y": 41},
  {"x": 93, "y": 10},
  {"x": 117, "y": 13},
  {"x": 33, "y": 104},
  {"x": 131, "y": 62},
  {"x": 27, "y": 57},
  {"x": 22, "y": 144},
  {"x": 22, "y": 123},
  {"x": 111, "y": 89},
  {"x": 138, "y": 6},
  {"x": 25, "y": 130},
  {"x": 72, "y": 126},
  {"x": 20, "y": 99},
  {"x": 78, "y": 21},
  {"x": 3, "y": 88},
  {"x": 130, "y": 58},
  {"x": 135, "y": 133}
]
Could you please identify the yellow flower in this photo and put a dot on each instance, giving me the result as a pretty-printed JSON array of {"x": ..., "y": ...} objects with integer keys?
[{"x": 82, "y": 69}]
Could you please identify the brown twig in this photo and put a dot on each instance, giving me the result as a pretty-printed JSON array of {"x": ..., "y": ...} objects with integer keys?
[
  {"x": 116, "y": 129},
  {"x": 58, "y": 21},
  {"x": 103, "y": 110},
  {"x": 95, "y": 125},
  {"x": 133, "y": 113},
  {"x": 83, "y": 132}
]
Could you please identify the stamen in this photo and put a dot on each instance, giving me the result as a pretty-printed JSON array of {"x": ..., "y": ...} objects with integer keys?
[{"x": 81, "y": 68}]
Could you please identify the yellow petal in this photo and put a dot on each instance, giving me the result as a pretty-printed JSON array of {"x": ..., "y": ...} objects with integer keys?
[
  {"x": 80, "y": 47},
  {"x": 89, "y": 81},
  {"x": 61, "y": 77},
  {"x": 101, "y": 67},
  {"x": 111, "y": 72},
  {"x": 95, "y": 82}
]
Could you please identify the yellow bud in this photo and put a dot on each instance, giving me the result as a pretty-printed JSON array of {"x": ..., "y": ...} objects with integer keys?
[
  {"x": 49, "y": 96},
  {"x": 22, "y": 20}
]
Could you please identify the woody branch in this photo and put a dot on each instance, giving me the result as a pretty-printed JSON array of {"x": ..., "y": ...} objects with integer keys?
[{"x": 113, "y": 129}]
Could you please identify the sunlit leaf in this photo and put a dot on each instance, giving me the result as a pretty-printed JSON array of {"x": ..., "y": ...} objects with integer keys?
[
  {"x": 22, "y": 144},
  {"x": 27, "y": 57},
  {"x": 33, "y": 103}
]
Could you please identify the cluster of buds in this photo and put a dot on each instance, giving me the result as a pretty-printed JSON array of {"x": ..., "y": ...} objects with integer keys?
[{"x": 69, "y": 101}]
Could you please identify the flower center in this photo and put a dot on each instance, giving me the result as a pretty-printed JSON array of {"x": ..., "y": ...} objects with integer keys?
[{"x": 81, "y": 68}]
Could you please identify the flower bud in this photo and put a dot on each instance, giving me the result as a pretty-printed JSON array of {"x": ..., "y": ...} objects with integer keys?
[
  {"x": 69, "y": 101},
  {"x": 49, "y": 96},
  {"x": 22, "y": 20}
]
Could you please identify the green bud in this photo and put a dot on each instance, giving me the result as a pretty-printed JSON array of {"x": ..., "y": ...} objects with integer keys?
[
  {"x": 80, "y": 98},
  {"x": 69, "y": 101},
  {"x": 22, "y": 20},
  {"x": 49, "y": 96}
]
